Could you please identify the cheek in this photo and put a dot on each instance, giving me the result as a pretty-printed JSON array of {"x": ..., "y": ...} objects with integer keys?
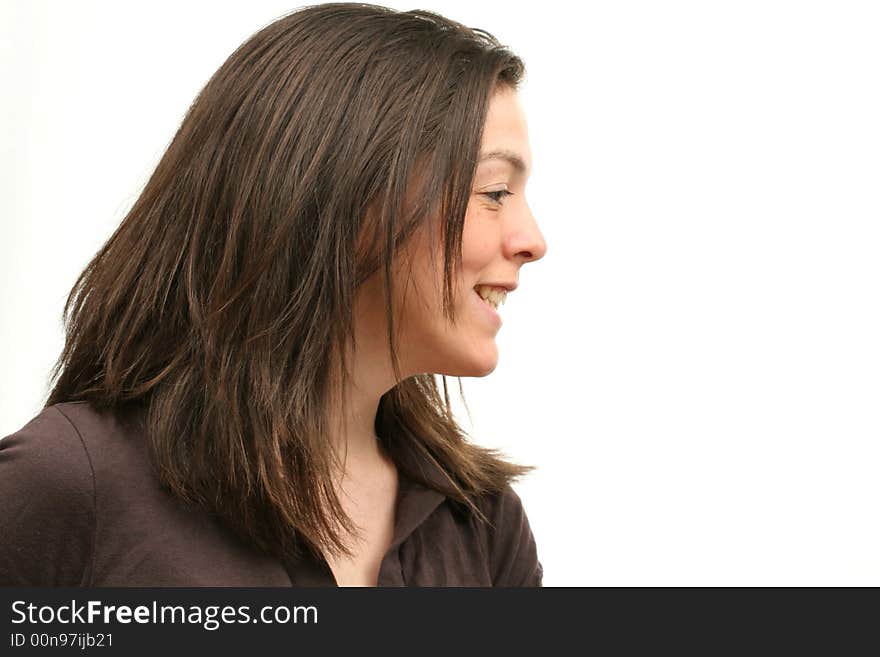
[
  {"x": 479, "y": 242},
  {"x": 424, "y": 302},
  {"x": 424, "y": 286},
  {"x": 423, "y": 294}
]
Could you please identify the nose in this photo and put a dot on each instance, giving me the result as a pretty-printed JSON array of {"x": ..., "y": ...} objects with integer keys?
[{"x": 526, "y": 242}]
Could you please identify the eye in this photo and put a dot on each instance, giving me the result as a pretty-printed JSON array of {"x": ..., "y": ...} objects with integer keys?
[{"x": 498, "y": 195}]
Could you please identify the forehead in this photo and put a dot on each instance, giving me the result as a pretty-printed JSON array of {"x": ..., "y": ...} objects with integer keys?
[{"x": 505, "y": 134}]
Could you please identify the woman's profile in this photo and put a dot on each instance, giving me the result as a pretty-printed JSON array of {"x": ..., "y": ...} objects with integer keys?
[{"x": 246, "y": 395}]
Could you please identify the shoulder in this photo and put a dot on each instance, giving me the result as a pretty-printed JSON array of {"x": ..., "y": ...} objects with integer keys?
[
  {"x": 48, "y": 502},
  {"x": 512, "y": 550},
  {"x": 47, "y": 452},
  {"x": 69, "y": 442}
]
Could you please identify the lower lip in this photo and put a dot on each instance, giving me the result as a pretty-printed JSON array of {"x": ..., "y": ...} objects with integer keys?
[{"x": 490, "y": 311}]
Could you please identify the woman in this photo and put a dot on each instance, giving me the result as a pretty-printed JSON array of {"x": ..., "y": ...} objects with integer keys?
[{"x": 246, "y": 394}]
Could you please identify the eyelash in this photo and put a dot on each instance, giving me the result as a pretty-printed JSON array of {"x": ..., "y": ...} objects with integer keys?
[{"x": 502, "y": 192}]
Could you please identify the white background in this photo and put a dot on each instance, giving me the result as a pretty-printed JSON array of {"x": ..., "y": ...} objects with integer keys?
[{"x": 694, "y": 366}]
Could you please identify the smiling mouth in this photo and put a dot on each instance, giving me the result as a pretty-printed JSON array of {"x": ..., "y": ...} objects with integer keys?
[
  {"x": 494, "y": 296},
  {"x": 488, "y": 304}
]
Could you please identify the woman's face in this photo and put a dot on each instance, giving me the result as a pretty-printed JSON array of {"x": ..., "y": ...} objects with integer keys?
[{"x": 500, "y": 236}]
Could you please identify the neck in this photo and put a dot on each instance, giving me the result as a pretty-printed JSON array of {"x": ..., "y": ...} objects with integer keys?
[{"x": 353, "y": 435}]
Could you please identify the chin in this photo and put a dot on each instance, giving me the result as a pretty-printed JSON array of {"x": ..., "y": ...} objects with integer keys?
[
  {"x": 484, "y": 366},
  {"x": 487, "y": 371},
  {"x": 476, "y": 366},
  {"x": 490, "y": 358}
]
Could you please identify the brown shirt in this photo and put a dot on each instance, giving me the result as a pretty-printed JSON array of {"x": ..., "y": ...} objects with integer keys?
[{"x": 80, "y": 506}]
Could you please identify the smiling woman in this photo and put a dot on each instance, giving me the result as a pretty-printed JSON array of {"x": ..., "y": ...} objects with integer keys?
[{"x": 247, "y": 391}]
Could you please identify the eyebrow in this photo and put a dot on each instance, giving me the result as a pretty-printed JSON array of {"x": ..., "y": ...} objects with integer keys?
[{"x": 508, "y": 156}]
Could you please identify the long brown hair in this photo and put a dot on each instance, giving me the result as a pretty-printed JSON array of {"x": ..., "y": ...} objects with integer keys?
[{"x": 219, "y": 302}]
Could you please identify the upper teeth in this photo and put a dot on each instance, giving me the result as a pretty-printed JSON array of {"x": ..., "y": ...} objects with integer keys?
[{"x": 493, "y": 295}]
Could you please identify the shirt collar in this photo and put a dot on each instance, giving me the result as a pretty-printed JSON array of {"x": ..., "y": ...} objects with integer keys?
[{"x": 415, "y": 500}]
